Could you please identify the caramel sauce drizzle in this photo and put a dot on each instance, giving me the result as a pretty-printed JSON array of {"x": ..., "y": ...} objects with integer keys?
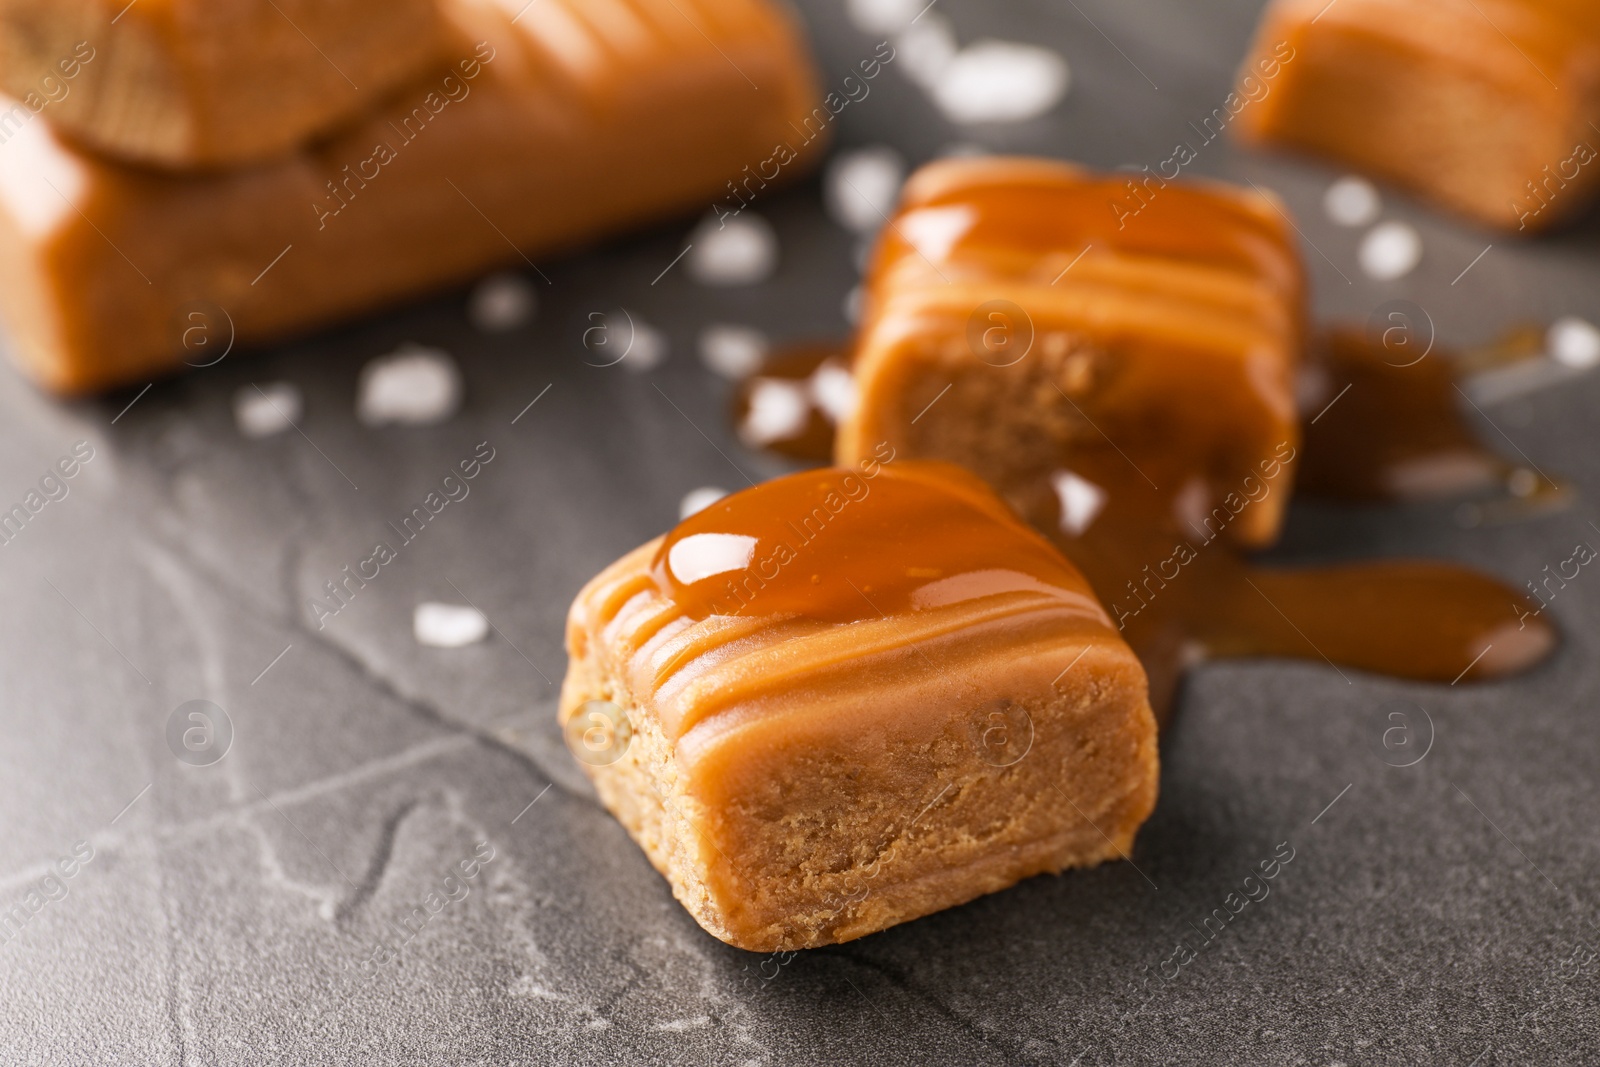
[{"x": 1182, "y": 592}]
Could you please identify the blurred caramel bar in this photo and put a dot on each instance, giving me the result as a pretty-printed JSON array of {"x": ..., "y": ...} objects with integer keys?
[
  {"x": 1486, "y": 106},
  {"x": 841, "y": 700},
  {"x": 542, "y": 132},
  {"x": 1044, "y": 326},
  {"x": 189, "y": 83}
]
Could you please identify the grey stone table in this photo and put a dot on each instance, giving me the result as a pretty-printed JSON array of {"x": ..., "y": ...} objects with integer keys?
[{"x": 255, "y": 910}]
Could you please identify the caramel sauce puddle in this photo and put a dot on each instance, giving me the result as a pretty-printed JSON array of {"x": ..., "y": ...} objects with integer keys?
[{"x": 1183, "y": 592}]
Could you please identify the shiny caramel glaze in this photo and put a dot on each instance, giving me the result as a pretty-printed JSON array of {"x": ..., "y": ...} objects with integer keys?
[
  {"x": 835, "y": 545},
  {"x": 1163, "y": 550}
]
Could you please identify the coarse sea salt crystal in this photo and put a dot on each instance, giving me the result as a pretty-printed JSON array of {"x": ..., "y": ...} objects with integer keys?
[
  {"x": 412, "y": 386},
  {"x": 733, "y": 352},
  {"x": 833, "y": 390},
  {"x": 1081, "y": 501},
  {"x": 1390, "y": 250},
  {"x": 502, "y": 302},
  {"x": 1573, "y": 342},
  {"x": 861, "y": 187},
  {"x": 448, "y": 625},
  {"x": 779, "y": 410},
  {"x": 1352, "y": 201},
  {"x": 647, "y": 348},
  {"x": 263, "y": 410},
  {"x": 736, "y": 250},
  {"x": 1000, "y": 81},
  {"x": 696, "y": 500},
  {"x": 883, "y": 16},
  {"x": 925, "y": 48},
  {"x": 851, "y": 308}
]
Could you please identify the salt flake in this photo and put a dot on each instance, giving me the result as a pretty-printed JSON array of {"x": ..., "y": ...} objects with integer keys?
[
  {"x": 264, "y": 410},
  {"x": 412, "y": 386},
  {"x": 448, "y": 625}
]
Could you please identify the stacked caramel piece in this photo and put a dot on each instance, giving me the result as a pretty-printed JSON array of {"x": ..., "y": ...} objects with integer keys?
[
  {"x": 1486, "y": 107},
  {"x": 261, "y": 167}
]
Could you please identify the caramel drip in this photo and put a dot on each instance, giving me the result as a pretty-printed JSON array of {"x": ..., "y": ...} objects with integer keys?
[
  {"x": 1181, "y": 590},
  {"x": 1397, "y": 432},
  {"x": 812, "y": 442}
]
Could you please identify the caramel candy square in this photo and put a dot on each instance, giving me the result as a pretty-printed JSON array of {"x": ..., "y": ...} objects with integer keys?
[
  {"x": 848, "y": 698},
  {"x": 1485, "y": 106},
  {"x": 1075, "y": 338},
  {"x": 543, "y": 132},
  {"x": 206, "y": 83}
]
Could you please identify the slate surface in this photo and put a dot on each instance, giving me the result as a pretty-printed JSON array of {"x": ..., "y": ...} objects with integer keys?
[{"x": 247, "y": 912}]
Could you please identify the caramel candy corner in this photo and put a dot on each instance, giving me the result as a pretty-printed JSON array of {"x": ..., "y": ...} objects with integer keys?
[
  {"x": 207, "y": 83},
  {"x": 538, "y": 134},
  {"x": 923, "y": 705},
  {"x": 1071, "y": 336},
  {"x": 1484, "y": 106}
]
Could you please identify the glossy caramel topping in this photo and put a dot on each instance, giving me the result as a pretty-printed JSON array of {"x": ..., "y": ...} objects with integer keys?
[
  {"x": 1179, "y": 591},
  {"x": 1398, "y": 430},
  {"x": 837, "y": 545},
  {"x": 1004, "y": 217}
]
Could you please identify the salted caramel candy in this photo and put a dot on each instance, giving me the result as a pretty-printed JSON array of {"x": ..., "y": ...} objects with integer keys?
[
  {"x": 1070, "y": 337},
  {"x": 544, "y": 130},
  {"x": 1485, "y": 106},
  {"x": 200, "y": 83},
  {"x": 847, "y": 698}
]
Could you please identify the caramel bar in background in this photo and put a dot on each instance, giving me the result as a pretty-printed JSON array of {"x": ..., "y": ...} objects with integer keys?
[
  {"x": 571, "y": 122},
  {"x": 1485, "y": 106},
  {"x": 1065, "y": 335},
  {"x": 844, "y": 699},
  {"x": 199, "y": 83}
]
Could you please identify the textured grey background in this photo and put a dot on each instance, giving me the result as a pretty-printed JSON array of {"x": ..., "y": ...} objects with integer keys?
[{"x": 1440, "y": 914}]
